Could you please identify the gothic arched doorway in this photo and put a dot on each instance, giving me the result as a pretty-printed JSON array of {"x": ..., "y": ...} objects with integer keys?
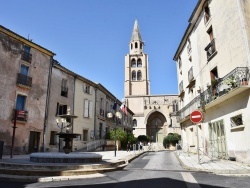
[{"x": 155, "y": 127}]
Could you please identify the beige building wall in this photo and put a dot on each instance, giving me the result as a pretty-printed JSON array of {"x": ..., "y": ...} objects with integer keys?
[
  {"x": 229, "y": 23},
  {"x": 61, "y": 99},
  {"x": 84, "y": 107},
  {"x": 32, "y": 87}
]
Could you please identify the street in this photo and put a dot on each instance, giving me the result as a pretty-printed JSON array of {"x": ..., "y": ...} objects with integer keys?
[{"x": 152, "y": 169}]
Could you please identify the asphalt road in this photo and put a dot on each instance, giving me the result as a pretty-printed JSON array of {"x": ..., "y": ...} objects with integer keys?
[{"x": 150, "y": 170}]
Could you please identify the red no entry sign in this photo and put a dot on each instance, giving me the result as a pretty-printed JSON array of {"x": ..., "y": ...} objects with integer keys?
[{"x": 196, "y": 116}]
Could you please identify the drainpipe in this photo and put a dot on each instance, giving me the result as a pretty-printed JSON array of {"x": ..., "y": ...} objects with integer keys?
[
  {"x": 243, "y": 30},
  {"x": 47, "y": 102},
  {"x": 95, "y": 112}
]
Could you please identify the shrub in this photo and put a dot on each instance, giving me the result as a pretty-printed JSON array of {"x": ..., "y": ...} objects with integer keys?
[
  {"x": 171, "y": 138},
  {"x": 143, "y": 138}
]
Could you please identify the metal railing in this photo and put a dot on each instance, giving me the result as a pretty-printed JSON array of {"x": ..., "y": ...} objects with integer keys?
[
  {"x": 210, "y": 49},
  {"x": 26, "y": 56},
  {"x": 234, "y": 79},
  {"x": 21, "y": 115},
  {"x": 24, "y": 80}
]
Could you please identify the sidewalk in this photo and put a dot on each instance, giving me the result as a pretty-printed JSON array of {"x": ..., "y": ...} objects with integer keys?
[{"x": 217, "y": 166}]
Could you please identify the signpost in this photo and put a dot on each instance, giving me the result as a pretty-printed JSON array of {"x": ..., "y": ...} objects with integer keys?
[{"x": 196, "y": 117}]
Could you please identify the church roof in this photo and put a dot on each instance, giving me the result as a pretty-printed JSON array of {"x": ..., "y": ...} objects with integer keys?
[{"x": 136, "y": 35}]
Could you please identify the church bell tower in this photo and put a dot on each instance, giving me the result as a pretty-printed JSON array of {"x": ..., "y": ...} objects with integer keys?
[{"x": 136, "y": 67}]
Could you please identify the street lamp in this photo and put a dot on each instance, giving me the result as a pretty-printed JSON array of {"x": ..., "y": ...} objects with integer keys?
[
  {"x": 64, "y": 124},
  {"x": 119, "y": 116}
]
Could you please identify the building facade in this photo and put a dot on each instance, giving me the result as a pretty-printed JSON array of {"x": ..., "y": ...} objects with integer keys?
[
  {"x": 25, "y": 72},
  {"x": 153, "y": 114},
  {"x": 212, "y": 61}
]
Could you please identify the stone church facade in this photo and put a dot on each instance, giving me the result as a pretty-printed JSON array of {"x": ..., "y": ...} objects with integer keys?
[{"x": 154, "y": 115}]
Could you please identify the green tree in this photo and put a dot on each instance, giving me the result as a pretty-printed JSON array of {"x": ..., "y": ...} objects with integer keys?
[
  {"x": 143, "y": 138},
  {"x": 122, "y": 136},
  {"x": 171, "y": 138}
]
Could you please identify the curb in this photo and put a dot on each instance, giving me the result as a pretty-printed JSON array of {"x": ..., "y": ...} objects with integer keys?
[
  {"x": 35, "y": 175},
  {"x": 214, "y": 171}
]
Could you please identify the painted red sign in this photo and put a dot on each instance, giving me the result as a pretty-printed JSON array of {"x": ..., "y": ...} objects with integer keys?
[{"x": 196, "y": 116}]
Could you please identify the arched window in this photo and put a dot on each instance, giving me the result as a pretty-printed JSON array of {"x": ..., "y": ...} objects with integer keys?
[
  {"x": 134, "y": 123},
  {"x": 133, "y": 75},
  {"x": 139, "y": 75},
  {"x": 141, "y": 45},
  {"x": 133, "y": 63},
  {"x": 131, "y": 46},
  {"x": 136, "y": 45},
  {"x": 139, "y": 63}
]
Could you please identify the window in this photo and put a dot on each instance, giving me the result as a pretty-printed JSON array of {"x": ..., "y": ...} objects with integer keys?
[
  {"x": 64, "y": 88},
  {"x": 175, "y": 106},
  {"x": 141, "y": 45},
  {"x": 131, "y": 46},
  {"x": 179, "y": 62},
  {"x": 87, "y": 109},
  {"x": 133, "y": 75},
  {"x": 53, "y": 138},
  {"x": 139, "y": 75},
  {"x": 87, "y": 89},
  {"x": 210, "y": 48},
  {"x": 206, "y": 14},
  {"x": 189, "y": 48},
  {"x": 139, "y": 63},
  {"x": 26, "y": 56},
  {"x": 20, "y": 102},
  {"x": 61, "y": 109},
  {"x": 136, "y": 45},
  {"x": 134, "y": 123},
  {"x": 236, "y": 120},
  {"x": 133, "y": 63},
  {"x": 85, "y": 135},
  {"x": 23, "y": 78}
]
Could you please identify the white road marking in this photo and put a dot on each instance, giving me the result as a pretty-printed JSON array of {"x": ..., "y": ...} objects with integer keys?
[{"x": 190, "y": 181}]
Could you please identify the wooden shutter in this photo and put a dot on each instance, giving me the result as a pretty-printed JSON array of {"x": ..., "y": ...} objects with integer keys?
[
  {"x": 91, "y": 90},
  {"x": 86, "y": 108}
]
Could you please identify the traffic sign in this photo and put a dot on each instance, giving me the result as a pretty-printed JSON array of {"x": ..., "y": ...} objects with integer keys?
[{"x": 196, "y": 116}]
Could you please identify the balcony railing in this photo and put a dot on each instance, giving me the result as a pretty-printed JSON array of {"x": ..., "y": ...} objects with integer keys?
[
  {"x": 26, "y": 56},
  {"x": 64, "y": 91},
  {"x": 24, "y": 80},
  {"x": 190, "y": 74},
  {"x": 235, "y": 79},
  {"x": 210, "y": 49},
  {"x": 21, "y": 115}
]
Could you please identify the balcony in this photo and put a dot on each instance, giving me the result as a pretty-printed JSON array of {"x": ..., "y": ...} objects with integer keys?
[
  {"x": 21, "y": 115},
  {"x": 64, "y": 91},
  {"x": 24, "y": 80},
  {"x": 227, "y": 87},
  {"x": 211, "y": 50},
  {"x": 26, "y": 56}
]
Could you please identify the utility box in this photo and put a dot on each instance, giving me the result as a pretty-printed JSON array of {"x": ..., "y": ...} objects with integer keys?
[{"x": 1, "y": 149}]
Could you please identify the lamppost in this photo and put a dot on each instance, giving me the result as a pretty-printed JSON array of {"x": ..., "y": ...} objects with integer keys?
[
  {"x": 118, "y": 115},
  {"x": 64, "y": 124}
]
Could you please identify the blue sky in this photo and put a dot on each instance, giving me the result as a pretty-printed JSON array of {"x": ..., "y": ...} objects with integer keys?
[{"x": 91, "y": 37}]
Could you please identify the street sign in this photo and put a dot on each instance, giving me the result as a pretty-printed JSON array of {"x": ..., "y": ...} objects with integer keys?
[{"x": 196, "y": 116}]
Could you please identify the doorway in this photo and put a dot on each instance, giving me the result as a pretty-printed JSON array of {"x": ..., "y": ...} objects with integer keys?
[
  {"x": 217, "y": 140},
  {"x": 34, "y": 141}
]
